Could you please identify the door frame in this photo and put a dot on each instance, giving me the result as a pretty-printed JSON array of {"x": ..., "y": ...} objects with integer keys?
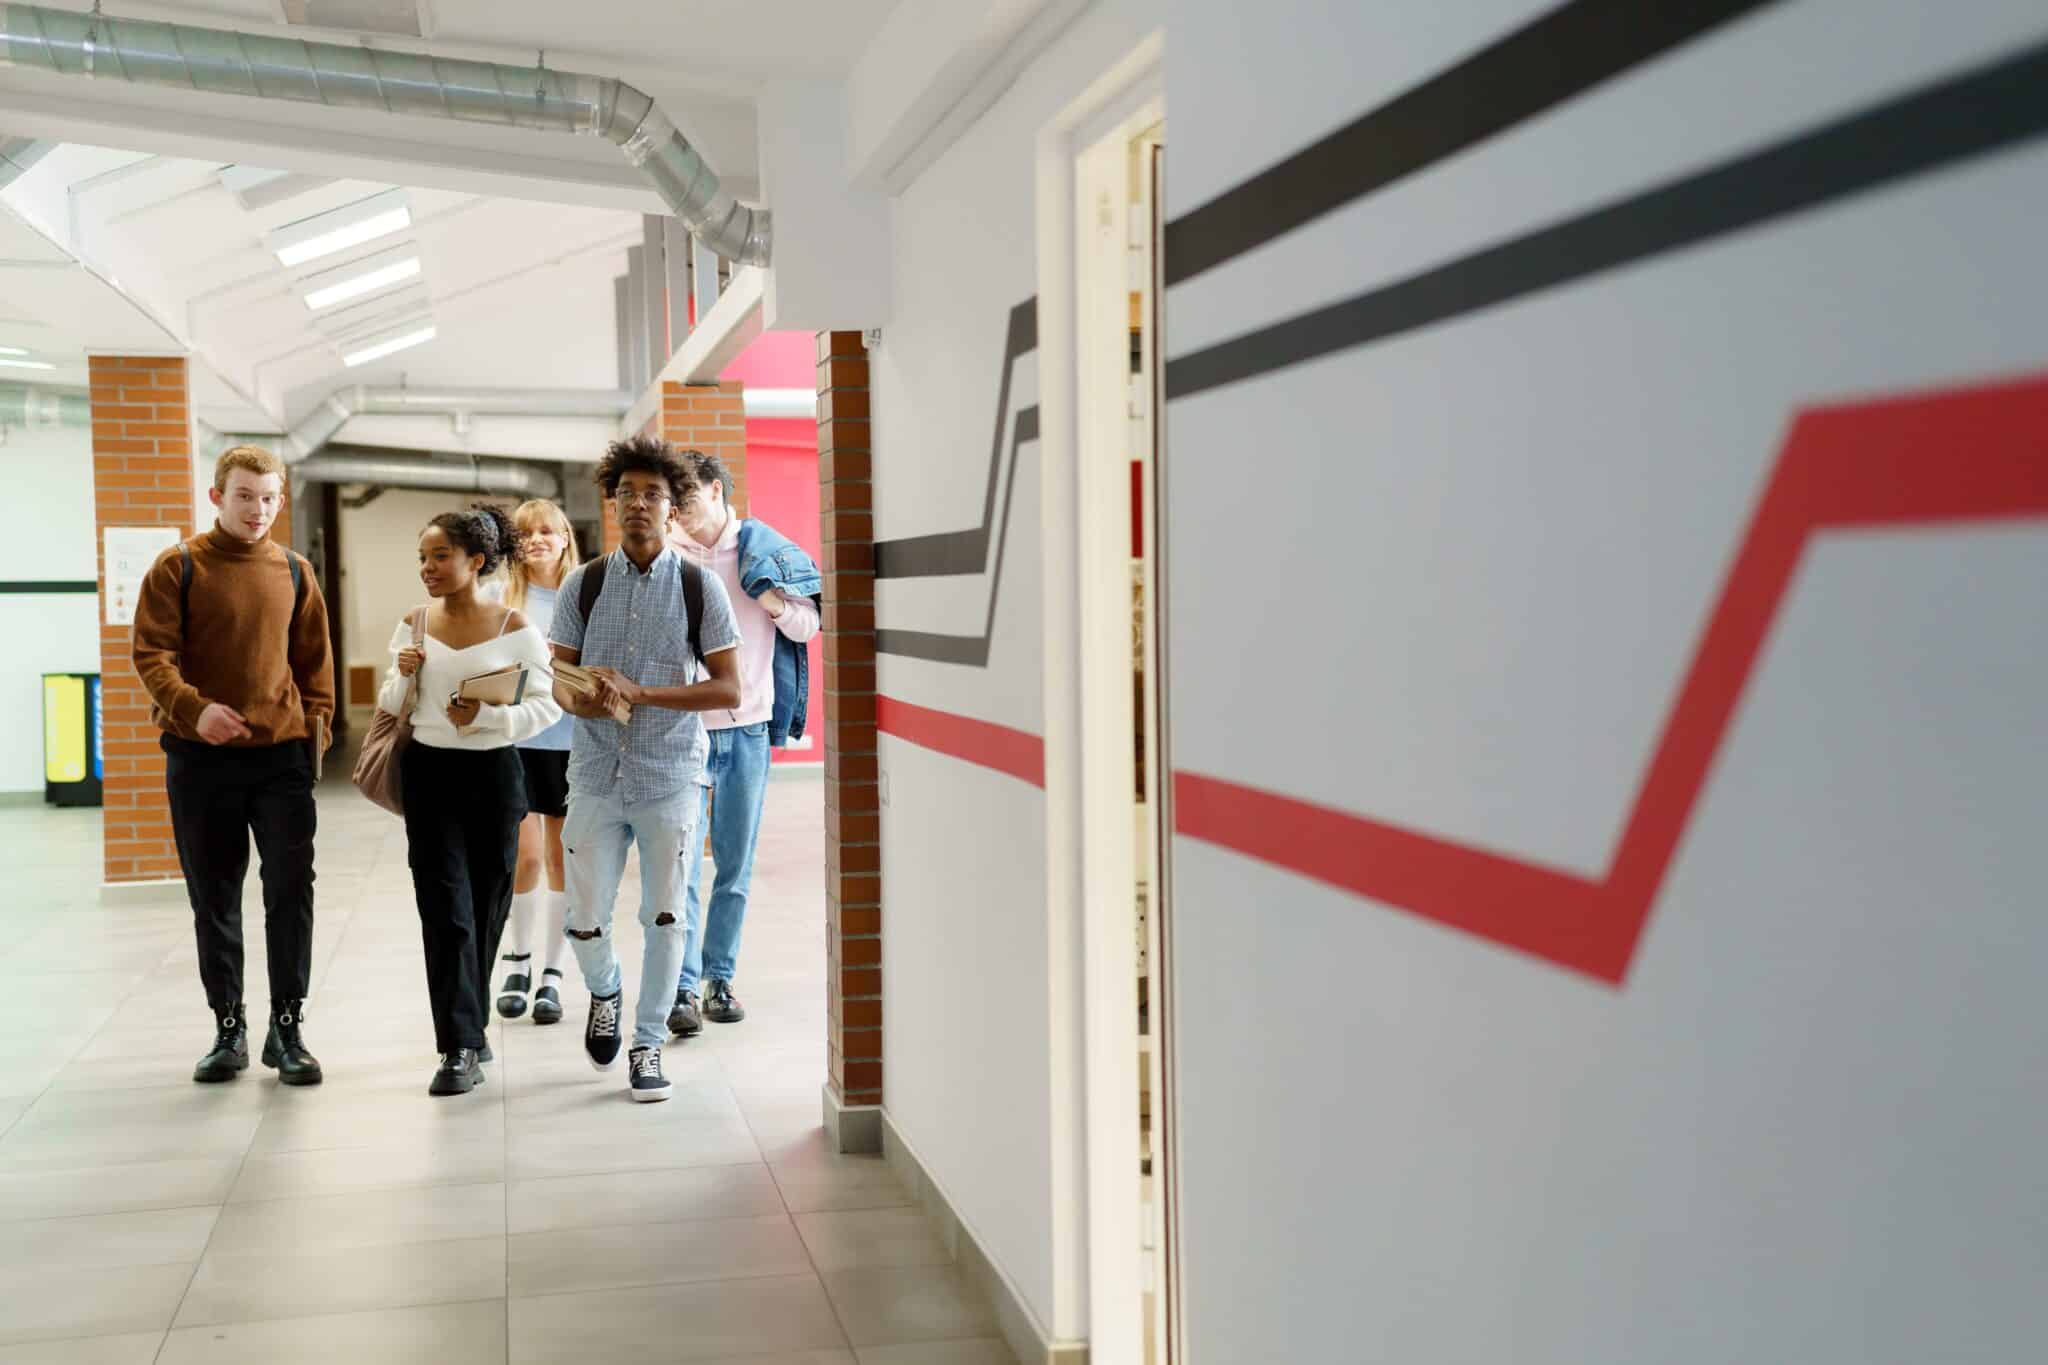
[{"x": 1089, "y": 732}]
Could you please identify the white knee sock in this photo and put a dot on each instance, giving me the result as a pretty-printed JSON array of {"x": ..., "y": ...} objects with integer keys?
[
  {"x": 553, "y": 921},
  {"x": 525, "y": 909}
]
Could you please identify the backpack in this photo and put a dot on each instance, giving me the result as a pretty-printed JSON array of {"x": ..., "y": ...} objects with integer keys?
[
  {"x": 298, "y": 588},
  {"x": 693, "y": 596}
]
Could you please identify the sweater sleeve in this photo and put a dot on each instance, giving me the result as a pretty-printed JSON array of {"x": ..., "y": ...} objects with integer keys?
[
  {"x": 799, "y": 619},
  {"x": 159, "y": 642},
  {"x": 539, "y": 710},
  {"x": 391, "y": 696},
  {"x": 312, "y": 651}
]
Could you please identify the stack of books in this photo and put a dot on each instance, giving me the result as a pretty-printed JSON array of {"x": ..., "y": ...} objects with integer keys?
[
  {"x": 582, "y": 684},
  {"x": 500, "y": 687}
]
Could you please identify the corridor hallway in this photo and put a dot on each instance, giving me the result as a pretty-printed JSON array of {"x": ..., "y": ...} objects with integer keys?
[{"x": 543, "y": 1217}]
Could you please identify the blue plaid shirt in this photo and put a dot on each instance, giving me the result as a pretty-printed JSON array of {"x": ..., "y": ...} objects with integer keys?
[{"x": 639, "y": 626}]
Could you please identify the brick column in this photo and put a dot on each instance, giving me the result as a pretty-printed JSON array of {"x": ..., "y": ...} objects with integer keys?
[
  {"x": 610, "y": 512},
  {"x": 853, "y": 834},
  {"x": 142, "y": 476},
  {"x": 713, "y": 420}
]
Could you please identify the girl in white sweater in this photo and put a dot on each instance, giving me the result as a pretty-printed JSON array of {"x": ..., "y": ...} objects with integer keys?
[{"x": 461, "y": 779}]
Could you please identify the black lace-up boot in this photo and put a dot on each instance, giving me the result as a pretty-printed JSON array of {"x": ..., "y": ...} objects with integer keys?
[
  {"x": 458, "y": 1074},
  {"x": 229, "y": 1056},
  {"x": 285, "y": 1050}
]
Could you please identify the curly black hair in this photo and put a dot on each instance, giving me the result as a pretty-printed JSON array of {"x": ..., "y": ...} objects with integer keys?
[
  {"x": 647, "y": 455},
  {"x": 482, "y": 530}
]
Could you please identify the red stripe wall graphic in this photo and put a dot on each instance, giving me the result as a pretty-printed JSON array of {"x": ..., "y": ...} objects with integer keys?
[
  {"x": 1972, "y": 455},
  {"x": 1942, "y": 459}
]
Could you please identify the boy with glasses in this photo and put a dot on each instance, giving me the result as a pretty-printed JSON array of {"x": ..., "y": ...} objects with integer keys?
[{"x": 659, "y": 637}]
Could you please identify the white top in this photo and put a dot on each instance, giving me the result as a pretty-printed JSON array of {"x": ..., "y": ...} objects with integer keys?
[
  {"x": 442, "y": 673},
  {"x": 757, "y": 628}
]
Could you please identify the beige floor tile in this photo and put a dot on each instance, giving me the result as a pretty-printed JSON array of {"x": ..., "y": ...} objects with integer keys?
[
  {"x": 296, "y": 1175},
  {"x": 633, "y": 1197},
  {"x": 129, "y": 1348},
  {"x": 46, "y": 1305},
  {"x": 36, "y": 1144},
  {"x": 816, "y": 1182},
  {"x": 692, "y": 1322},
  {"x": 844, "y": 1239},
  {"x": 639, "y": 1143},
  {"x": 367, "y": 1218},
  {"x": 438, "y": 1334},
  {"x": 578, "y": 1259},
  {"x": 94, "y": 1241},
  {"x": 979, "y": 1351},
  {"x": 385, "y": 1119},
  {"x": 115, "y": 1189},
  {"x": 884, "y": 1305},
  {"x": 255, "y": 1288}
]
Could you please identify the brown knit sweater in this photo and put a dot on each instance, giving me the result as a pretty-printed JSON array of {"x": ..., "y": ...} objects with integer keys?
[{"x": 242, "y": 646}]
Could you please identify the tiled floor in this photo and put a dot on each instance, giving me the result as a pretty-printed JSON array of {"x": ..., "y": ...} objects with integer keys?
[{"x": 543, "y": 1217}]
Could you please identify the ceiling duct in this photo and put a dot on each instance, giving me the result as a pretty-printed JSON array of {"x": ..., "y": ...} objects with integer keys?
[
  {"x": 223, "y": 62},
  {"x": 476, "y": 475},
  {"x": 319, "y": 426},
  {"x": 32, "y": 406}
]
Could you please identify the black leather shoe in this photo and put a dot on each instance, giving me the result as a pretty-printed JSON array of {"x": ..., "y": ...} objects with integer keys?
[
  {"x": 686, "y": 1020},
  {"x": 285, "y": 1050},
  {"x": 229, "y": 1056},
  {"x": 459, "y": 1073},
  {"x": 547, "y": 1001},
  {"x": 721, "y": 1006},
  {"x": 512, "y": 995}
]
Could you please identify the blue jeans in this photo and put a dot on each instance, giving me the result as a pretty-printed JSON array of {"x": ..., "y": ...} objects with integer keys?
[
  {"x": 737, "y": 774},
  {"x": 595, "y": 838}
]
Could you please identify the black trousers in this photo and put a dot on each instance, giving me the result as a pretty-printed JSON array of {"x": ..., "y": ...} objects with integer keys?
[
  {"x": 219, "y": 797},
  {"x": 462, "y": 814}
]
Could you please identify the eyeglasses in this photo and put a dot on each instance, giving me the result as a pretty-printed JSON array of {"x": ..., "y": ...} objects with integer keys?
[{"x": 627, "y": 498}]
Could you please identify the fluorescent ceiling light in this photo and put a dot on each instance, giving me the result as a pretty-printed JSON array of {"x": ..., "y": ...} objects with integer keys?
[
  {"x": 12, "y": 350},
  {"x": 28, "y": 364},
  {"x": 323, "y": 234},
  {"x": 390, "y": 343},
  {"x": 368, "y": 282}
]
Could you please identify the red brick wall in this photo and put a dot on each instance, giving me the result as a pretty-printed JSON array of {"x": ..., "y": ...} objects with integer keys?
[
  {"x": 712, "y": 420},
  {"x": 142, "y": 476},
  {"x": 853, "y": 827}
]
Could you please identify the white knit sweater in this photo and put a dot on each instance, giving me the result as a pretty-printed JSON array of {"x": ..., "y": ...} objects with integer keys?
[{"x": 443, "y": 672}]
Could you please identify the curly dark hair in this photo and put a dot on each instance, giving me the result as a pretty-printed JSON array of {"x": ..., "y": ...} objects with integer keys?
[
  {"x": 482, "y": 530},
  {"x": 647, "y": 455}
]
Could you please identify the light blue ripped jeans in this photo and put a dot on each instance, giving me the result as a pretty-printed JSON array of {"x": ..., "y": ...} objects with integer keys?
[{"x": 595, "y": 839}]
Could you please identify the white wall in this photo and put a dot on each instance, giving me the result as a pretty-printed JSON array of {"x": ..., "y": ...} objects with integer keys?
[
  {"x": 381, "y": 566},
  {"x": 968, "y": 978},
  {"x": 46, "y": 487},
  {"x": 1804, "y": 1127}
]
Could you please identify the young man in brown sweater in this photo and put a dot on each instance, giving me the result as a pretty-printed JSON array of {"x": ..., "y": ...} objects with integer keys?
[{"x": 231, "y": 642}]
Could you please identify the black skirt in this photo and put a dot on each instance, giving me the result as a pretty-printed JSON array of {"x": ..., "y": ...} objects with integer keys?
[{"x": 547, "y": 781}]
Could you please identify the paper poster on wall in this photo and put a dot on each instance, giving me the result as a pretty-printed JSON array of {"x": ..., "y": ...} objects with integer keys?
[{"x": 130, "y": 552}]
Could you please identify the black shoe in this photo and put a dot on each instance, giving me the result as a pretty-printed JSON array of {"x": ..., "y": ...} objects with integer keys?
[
  {"x": 721, "y": 1006},
  {"x": 459, "y": 1073},
  {"x": 601, "y": 1034},
  {"x": 284, "y": 1050},
  {"x": 512, "y": 995},
  {"x": 229, "y": 1056},
  {"x": 547, "y": 1001},
  {"x": 646, "y": 1082},
  {"x": 685, "y": 1021}
]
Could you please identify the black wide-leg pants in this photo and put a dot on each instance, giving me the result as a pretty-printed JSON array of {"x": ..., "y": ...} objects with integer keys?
[
  {"x": 462, "y": 814},
  {"x": 219, "y": 796}
]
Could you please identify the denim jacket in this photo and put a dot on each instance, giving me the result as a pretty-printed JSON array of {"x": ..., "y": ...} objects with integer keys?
[{"x": 769, "y": 559}]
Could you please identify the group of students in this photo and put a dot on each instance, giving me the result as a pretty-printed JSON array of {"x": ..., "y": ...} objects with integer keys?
[{"x": 689, "y": 639}]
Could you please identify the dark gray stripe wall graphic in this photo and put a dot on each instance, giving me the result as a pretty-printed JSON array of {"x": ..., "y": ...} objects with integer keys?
[
  {"x": 1975, "y": 113},
  {"x": 37, "y": 586}
]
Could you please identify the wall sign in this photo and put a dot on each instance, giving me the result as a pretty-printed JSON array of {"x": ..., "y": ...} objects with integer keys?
[{"x": 130, "y": 552}]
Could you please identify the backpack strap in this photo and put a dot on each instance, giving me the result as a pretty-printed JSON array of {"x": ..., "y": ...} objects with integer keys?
[
  {"x": 590, "y": 586},
  {"x": 693, "y": 604},
  {"x": 184, "y": 588}
]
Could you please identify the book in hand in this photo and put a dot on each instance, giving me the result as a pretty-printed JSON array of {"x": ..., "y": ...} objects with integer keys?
[
  {"x": 500, "y": 687},
  {"x": 582, "y": 684}
]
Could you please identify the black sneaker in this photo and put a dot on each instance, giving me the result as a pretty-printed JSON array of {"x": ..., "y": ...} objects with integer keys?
[
  {"x": 601, "y": 1034},
  {"x": 645, "y": 1081},
  {"x": 512, "y": 995},
  {"x": 721, "y": 1006},
  {"x": 229, "y": 1055},
  {"x": 684, "y": 1020},
  {"x": 458, "y": 1075},
  {"x": 547, "y": 1001}
]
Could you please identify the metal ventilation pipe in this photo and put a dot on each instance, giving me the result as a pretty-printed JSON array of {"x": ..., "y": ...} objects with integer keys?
[
  {"x": 27, "y": 405},
  {"x": 223, "y": 62},
  {"x": 318, "y": 427},
  {"x": 17, "y": 154},
  {"x": 469, "y": 476}
]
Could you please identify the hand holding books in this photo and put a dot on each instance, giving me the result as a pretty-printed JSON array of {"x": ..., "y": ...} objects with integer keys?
[
  {"x": 500, "y": 687},
  {"x": 590, "y": 689}
]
